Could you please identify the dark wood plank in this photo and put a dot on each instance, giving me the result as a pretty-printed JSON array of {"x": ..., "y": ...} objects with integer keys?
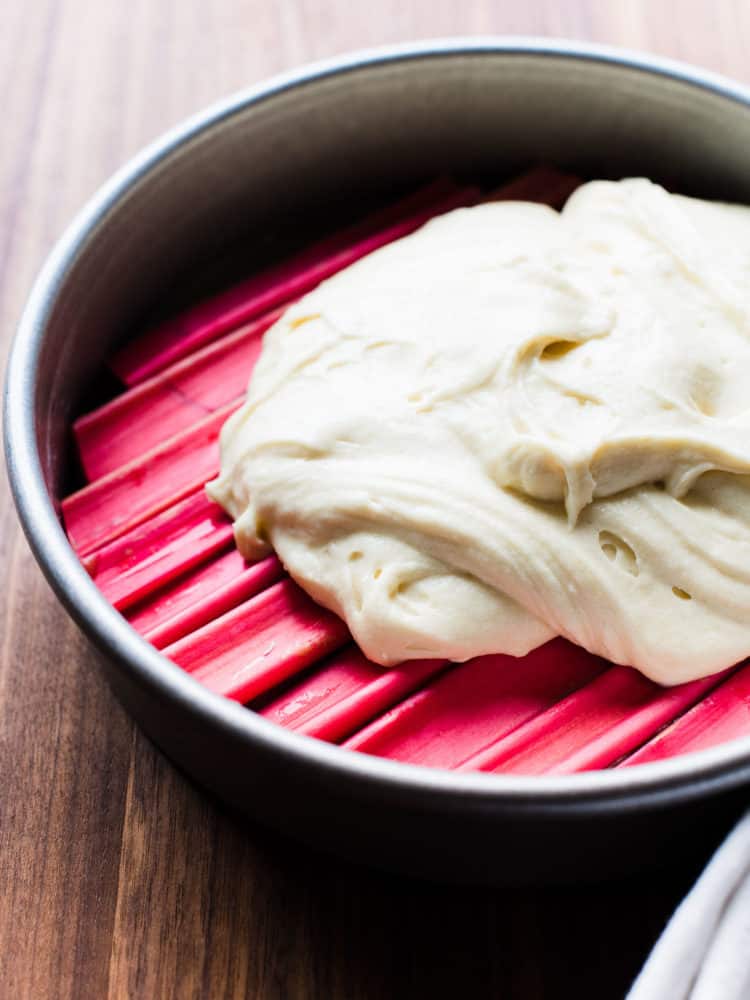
[{"x": 117, "y": 877}]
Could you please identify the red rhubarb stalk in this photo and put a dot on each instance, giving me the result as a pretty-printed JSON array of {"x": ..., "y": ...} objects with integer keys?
[
  {"x": 141, "y": 418},
  {"x": 591, "y": 728},
  {"x": 155, "y": 552},
  {"x": 211, "y": 604},
  {"x": 346, "y": 693},
  {"x": 473, "y": 703},
  {"x": 101, "y": 512},
  {"x": 722, "y": 715},
  {"x": 174, "y": 339},
  {"x": 250, "y": 649},
  {"x": 185, "y": 591}
]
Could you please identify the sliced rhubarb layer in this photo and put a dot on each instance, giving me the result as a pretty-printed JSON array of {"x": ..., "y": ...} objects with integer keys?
[
  {"x": 474, "y": 703},
  {"x": 250, "y": 649},
  {"x": 138, "y": 420},
  {"x": 189, "y": 589},
  {"x": 723, "y": 715},
  {"x": 591, "y": 728},
  {"x": 155, "y": 552},
  {"x": 345, "y": 693},
  {"x": 105, "y": 510},
  {"x": 178, "y": 337},
  {"x": 251, "y": 581},
  {"x": 162, "y": 552}
]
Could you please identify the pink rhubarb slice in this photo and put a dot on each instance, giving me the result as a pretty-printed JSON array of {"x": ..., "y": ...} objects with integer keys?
[
  {"x": 722, "y": 715},
  {"x": 211, "y": 603},
  {"x": 591, "y": 728},
  {"x": 141, "y": 418},
  {"x": 187, "y": 590},
  {"x": 106, "y": 509},
  {"x": 155, "y": 552},
  {"x": 345, "y": 693},
  {"x": 174, "y": 339},
  {"x": 473, "y": 703},
  {"x": 249, "y": 650}
]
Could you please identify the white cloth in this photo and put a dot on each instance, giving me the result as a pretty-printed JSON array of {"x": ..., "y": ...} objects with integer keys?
[{"x": 704, "y": 952}]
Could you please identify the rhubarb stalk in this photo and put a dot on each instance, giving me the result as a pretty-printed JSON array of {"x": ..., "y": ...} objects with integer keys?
[
  {"x": 724, "y": 714},
  {"x": 591, "y": 728},
  {"x": 345, "y": 693},
  {"x": 183, "y": 394},
  {"x": 155, "y": 552},
  {"x": 252, "y": 580},
  {"x": 249, "y": 650},
  {"x": 473, "y": 703},
  {"x": 108, "y": 508}
]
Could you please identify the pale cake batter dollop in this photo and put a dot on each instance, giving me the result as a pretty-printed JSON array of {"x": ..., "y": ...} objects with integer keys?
[{"x": 514, "y": 424}]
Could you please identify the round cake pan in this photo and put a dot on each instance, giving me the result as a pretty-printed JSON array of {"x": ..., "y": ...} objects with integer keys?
[{"x": 241, "y": 184}]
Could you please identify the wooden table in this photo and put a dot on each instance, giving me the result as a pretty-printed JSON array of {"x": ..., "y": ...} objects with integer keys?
[{"x": 117, "y": 877}]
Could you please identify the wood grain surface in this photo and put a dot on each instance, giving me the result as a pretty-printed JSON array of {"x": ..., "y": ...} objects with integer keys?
[{"x": 118, "y": 878}]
